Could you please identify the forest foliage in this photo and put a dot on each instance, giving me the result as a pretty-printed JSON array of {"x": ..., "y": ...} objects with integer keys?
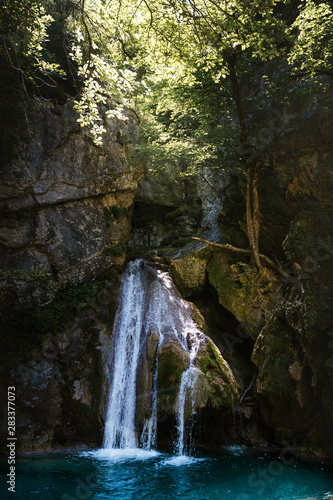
[
  {"x": 169, "y": 60},
  {"x": 193, "y": 71}
]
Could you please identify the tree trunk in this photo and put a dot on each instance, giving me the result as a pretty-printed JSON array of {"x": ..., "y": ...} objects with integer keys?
[
  {"x": 252, "y": 215},
  {"x": 251, "y": 164}
]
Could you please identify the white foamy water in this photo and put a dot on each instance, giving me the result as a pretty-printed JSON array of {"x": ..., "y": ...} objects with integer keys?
[
  {"x": 121, "y": 454},
  {"x": 186, "y": 397},
  {"x": 181, "y": 460},
  {"x": 120, "y": 419}
]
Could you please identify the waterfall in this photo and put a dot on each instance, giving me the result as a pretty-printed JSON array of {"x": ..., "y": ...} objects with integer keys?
[
  {"x": 120, "y": 419},
  {"x": 149, "y": 302},
  {"x": 186, "y": 396}
]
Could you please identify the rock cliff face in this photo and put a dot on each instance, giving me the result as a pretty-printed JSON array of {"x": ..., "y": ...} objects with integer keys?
[
  {"x": 58, "y": 195},
  {"x": 284, "y": 324},
  {"x": 169, "y": 210},
  {"x": 61, "y": 389},
  {"x": 293, "y": 352},
  {"x": 65, "y": 221}
]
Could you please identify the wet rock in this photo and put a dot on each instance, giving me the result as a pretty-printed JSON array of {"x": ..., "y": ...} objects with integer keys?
[
  {"x": 173, "y": 360},
  {"x": 145, "y": 377},
  {"x": 248, "y": 296},
  {"x": 293, "y": 354},
  {"x": 218, "y": 386}
]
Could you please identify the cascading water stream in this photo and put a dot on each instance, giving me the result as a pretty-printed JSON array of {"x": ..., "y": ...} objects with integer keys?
[
  {"x": 120, "y": 419},
  {"x": 148, "y": 303},
  {"x": 186, "y": 396}
]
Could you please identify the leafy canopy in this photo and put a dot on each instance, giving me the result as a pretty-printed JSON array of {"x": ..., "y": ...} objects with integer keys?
[
  {"x": 312, "y": 52},
  {"x": 169, "y": 60}
]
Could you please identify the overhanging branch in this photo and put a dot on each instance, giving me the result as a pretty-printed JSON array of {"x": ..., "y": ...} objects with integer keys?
[{"x": 231, "y": 248}]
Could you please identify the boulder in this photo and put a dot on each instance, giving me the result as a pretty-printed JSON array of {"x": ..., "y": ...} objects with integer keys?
[
  {"x": 173, "y": 360},
  {"x": 189, "y": 274}
]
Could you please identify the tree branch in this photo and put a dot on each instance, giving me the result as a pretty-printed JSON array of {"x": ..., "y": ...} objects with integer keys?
[
  {"x": 230, "y": 248},
  {"x": 247, "y": 390}
]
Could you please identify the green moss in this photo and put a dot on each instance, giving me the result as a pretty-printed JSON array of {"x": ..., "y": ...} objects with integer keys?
[
  {"x": 115, "y": 250},
  {"x": 217, "y": 359},
  {"x": 275, "y": 340},
  {"x": 226, "y": 288},
  {"x": 248, "y": 295},
  {"x": 222, "y": 393},
  {"x": 169, "y": 369},
  {"x": 205, "y": 363},
  {"x": 227, "y": 399},
  {"x": 171, "y": 364},
  {"x": 205, "y": 253},
  {"x": 201, "y": 326},
  {"x": 214, "y": 397},
  {"x": 115, "y": 212},
  {"x": 212, "y": 361},
  {"x": 32, "y": 275}
]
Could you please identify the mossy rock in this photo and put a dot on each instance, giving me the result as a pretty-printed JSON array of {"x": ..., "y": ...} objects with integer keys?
[
  {"x": 249, "y": 296},
  {"x": 152, "y": 344},
  {"x": 220, "y": 390},
  {"x": 189, "y": 274},
  {"x": 273, "y": 354},
  {"x": 310, "y": 236},
  {"x": 283, "y": 386},
  {"x": 145, "y": 376},
  {"x": 173, "y": 360},
  {"x": 198, "y": 319},
  {"x": 114, "y": 250}
]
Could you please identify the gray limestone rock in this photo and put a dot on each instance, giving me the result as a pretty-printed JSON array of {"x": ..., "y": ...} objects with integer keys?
[{"x": 56, "y": 194}]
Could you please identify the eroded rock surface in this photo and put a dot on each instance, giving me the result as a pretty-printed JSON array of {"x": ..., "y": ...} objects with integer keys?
[
  {"x": 61, "y": 389},
  {"x": 57, "y": 196}
]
